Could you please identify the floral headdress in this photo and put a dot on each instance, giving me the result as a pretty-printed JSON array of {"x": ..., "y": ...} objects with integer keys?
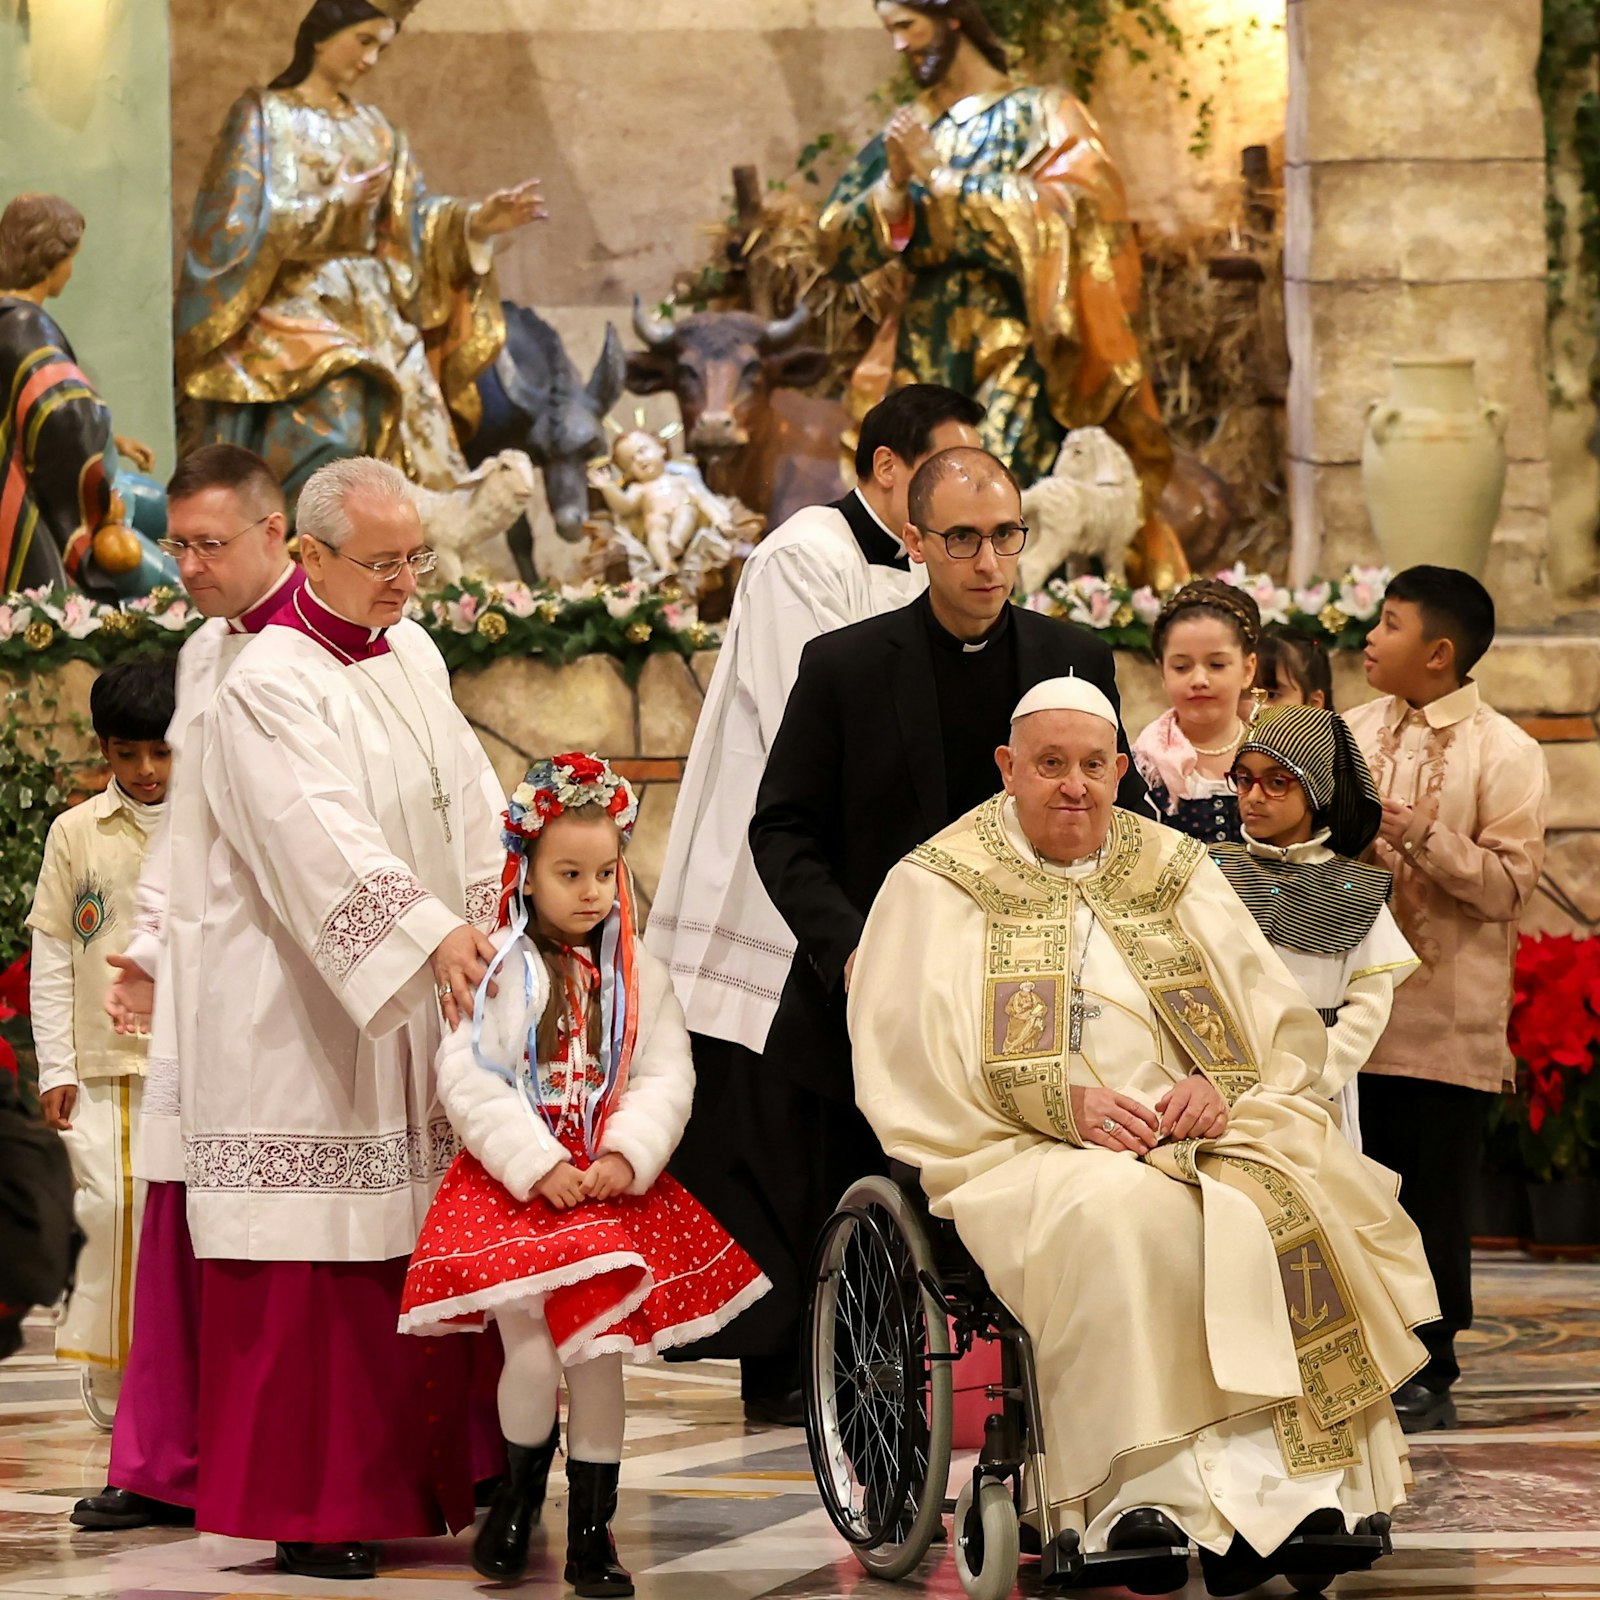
[{"x": 549, "y": 790}]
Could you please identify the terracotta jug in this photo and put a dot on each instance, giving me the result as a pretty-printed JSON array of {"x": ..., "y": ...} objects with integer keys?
[{"x": 1433, "y": 465}]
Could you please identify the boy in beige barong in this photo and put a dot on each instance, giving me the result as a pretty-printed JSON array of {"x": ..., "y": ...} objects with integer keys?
[{"x": 1219, "y": 1290}]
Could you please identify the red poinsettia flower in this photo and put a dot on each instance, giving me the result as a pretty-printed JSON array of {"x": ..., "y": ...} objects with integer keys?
[
  {"x": 584, "y": 769},
  {"x": 1555, "y": 1018},
  {"x": 14, "y": 989}
]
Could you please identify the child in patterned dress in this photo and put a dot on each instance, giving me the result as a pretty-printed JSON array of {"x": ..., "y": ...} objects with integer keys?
[
  {"x": 569, "y": 1087},
  {"x": 1205, "y": 641}
]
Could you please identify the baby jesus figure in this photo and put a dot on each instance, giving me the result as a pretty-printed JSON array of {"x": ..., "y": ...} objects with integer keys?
[{"x": 670, "y": 522}]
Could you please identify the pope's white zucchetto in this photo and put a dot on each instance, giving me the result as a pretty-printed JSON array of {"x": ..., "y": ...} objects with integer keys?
[{"x": 1065, "y": 694}]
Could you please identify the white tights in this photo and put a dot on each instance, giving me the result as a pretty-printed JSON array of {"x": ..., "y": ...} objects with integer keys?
[{"x": 532, "y": 1375}]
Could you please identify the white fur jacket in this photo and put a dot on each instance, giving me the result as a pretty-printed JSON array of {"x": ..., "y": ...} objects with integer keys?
[{"x": 496, "y": 1123}]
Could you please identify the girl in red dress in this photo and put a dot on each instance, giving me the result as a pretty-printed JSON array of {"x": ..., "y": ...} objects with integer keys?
[{"x": 569, "y": 1087}]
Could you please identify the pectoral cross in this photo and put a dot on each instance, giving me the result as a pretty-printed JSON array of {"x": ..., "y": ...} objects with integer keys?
[
  {"x": 441, "y": 802},
  {"x": 1310, "y": 1320},
  {"x": 1078, "y": 1013}
]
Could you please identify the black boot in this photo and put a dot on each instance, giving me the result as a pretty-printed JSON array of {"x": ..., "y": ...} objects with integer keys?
[
  {"x": 501, "y": 1549},
  {"x": 592, "y": 1565}
]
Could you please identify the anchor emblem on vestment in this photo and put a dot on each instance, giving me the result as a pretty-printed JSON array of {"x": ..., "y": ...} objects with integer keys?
[{"x": 1310, "y": 1319}]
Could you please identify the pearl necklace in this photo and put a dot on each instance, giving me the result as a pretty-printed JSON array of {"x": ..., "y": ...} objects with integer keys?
[{"x": 1223, "y": 749}]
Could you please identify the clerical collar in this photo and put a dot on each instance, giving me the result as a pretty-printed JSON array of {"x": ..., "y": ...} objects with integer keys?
[
  {"x": 888, "y": 532},
  {"x": 343, "y": 639},
  {"x": 254, "y": 618},
  {"x": 1308, "y": 852},
  {"x": 946, "y": 640}
]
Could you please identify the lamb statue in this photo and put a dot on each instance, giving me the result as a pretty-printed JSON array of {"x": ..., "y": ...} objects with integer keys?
[
  {"x": 466, "y": 526},
  {"x": 1090, "y": 505}
]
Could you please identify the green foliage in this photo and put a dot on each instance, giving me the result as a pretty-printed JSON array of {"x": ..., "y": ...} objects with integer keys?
[
  {"x": 1569, "y": 54},
  {"x": 32, "y": 791},
  {"x": 1077, "y": 35}
]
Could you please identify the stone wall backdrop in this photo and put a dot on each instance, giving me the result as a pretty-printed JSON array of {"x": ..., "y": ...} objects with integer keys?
[
  {"x": 634, "y": 115},
  {"x": 1415, "y": 178}
]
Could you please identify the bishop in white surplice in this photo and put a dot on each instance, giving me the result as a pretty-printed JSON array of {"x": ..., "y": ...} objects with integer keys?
[{"x": 347, "y": 830}]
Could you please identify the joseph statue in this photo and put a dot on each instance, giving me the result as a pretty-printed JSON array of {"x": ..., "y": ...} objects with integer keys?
[
  {"x": 1220, "y": 1291},
  {"x": 1007, "y": 213}
]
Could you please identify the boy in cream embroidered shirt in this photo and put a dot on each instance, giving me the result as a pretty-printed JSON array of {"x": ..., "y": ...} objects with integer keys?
[
  {"x": 1463, "y": 792},
  {"x": 90, "y": 1076},
  {"x": 1464, "y": 800}
]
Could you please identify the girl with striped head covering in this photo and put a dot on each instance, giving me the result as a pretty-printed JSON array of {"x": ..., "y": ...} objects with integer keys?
[{"x": 1308, "y": 810}]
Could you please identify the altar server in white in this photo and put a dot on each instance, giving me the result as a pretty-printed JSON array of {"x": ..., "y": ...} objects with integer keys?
[
  {"x": 711, "y": 921},
  {"x": 348, "y": 819},
  {"x": 226, "y": 529}
]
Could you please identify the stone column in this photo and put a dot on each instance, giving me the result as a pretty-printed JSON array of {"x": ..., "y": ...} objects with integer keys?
[{"x": 1415, "y": 175}]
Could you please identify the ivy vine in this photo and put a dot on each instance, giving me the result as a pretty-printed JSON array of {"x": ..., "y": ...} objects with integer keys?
[{"x": 1569, "y": 56}]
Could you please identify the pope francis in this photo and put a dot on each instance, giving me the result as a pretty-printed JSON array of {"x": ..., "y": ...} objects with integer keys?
[{"x": 1220, "y": 1292}]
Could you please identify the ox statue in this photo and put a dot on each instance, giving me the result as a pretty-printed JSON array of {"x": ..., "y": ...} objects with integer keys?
[
  {"x": 534, "y": 400},
  {"x": 755, "y": 435}
]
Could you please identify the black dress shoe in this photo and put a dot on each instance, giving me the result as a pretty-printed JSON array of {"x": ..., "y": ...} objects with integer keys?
[
  {"x": 592, "y": 1566},
  {"x": 327, "y": 1560},
  {"x": 1146, "y": 1529},
  {"x": 500, "y": 1550},
  {"x": 1423, "y": 1410},
  {"x": 1239, "y": 1569},
  {"x": 114, "y": 1509},
  {"x": 1244, "y": 1567},
  {"x": 776, "y": 1410}
]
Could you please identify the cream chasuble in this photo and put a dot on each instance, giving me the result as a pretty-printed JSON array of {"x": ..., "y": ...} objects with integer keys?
[
  {"x": 307, "y": 1021},
  {"x": 1217, "y": 1327}
]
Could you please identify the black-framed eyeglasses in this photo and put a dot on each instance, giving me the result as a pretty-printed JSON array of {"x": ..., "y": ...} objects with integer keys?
[
  {"x": 1274, "y": 785},
  {"x": 204, "y": 549},
  {"x": 963, "y": 544},
  {"x": 421, "y": 562}
]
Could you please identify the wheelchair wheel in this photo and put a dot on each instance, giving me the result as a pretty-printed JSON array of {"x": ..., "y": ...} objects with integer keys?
[
  {"x": 988, "y": 1540},
  {"x": 877, "y": 1380}
]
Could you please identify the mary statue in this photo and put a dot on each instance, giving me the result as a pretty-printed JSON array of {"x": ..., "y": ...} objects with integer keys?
[{"x": 328, "y": 305}]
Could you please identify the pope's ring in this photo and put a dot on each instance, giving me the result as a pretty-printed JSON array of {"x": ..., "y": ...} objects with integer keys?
[{"x": 1109, "y": 1125}]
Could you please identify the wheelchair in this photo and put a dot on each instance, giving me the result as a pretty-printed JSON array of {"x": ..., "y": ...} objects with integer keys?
[{"x": 896, "y": 1300}]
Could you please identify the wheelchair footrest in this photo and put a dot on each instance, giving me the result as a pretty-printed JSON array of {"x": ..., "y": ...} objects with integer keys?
[
  {"x": 1161, "y": 1569},
  {"x": 1331, "y": 1553}
]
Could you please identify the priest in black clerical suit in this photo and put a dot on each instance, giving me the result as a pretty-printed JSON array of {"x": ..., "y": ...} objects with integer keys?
[{"x": 889, "y": 735}]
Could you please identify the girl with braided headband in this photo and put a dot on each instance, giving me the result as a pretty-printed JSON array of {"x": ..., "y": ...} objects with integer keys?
[
  {"x": 569, "y": 1086},
  {"x": 1205, "y": 643}
]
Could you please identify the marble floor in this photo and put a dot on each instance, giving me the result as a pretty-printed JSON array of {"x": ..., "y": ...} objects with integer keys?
[{"x": 1507, "y": 1506}]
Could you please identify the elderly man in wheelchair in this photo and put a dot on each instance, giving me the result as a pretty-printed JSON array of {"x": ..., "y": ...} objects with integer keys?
[{"x": 1204, "y": 1297}]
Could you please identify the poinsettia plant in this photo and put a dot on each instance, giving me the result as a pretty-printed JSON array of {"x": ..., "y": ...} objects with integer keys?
[{"x": 1555, "y": 1036}]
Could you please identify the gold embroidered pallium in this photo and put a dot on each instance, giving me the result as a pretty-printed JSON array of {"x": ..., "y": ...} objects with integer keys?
[{"x": 1338, "y": 1375}]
